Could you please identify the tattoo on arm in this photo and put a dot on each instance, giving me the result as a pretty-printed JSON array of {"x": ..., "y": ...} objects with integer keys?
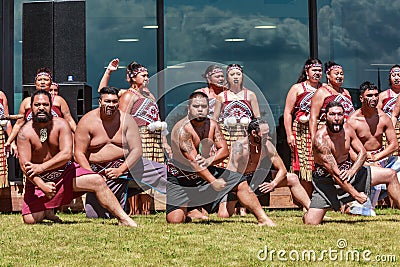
[
  {"x": 218, "y": 135},
  {"x": 324, "y": 150},
  {"x": 186, "y": 142},
  {"x": 237, "y": 148}
]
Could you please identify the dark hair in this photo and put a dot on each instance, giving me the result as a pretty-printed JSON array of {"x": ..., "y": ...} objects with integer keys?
[
  {"x": 132, "y": 67},
  {"x": 390, "y": 74},
  {"x": 234, "y": 65},
  {"x": 328, "y": 65},
  {"x": 197, "y": 94},
  {"x": 367, "y": 86},
  {"x": 333, "y": 104},
  {"x": 108, "y": 90},
  {"x": 255, "y": 125},
  {"x": 41, "y": 92},
  {"x": 303, "y": 74}
]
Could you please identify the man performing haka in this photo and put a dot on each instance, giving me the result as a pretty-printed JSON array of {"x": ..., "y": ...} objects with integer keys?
[
  {"x": 370, "y": 124},
  {"x": 337, "y": 179},
  {"x": 108, "y": 142},
  {"x": 45, "y": 145},
  {"x": 253, "y": 156},
  {"x": 193, "y": 181}
]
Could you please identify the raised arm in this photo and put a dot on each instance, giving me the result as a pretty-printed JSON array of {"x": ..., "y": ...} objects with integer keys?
[{"x": 112, "y": 66}]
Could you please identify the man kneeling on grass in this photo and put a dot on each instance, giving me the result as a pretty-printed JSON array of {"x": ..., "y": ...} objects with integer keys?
[
  {"x": 45, "y": 153},
  {"x": 193, "y": 181},
  {"x": 337, "y": 180}
]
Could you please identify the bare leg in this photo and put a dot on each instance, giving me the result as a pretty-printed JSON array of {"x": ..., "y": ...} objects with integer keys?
[
  {"x": 314, "y": 216},
  {"x": 145, "y": 200},
  {"x": 226, "y": 209},
  {"x": 249, "y": 200},
  {"x": 95, "y": 183},
  {"x": 298, "y": 192},
  {"x": 50, "y": 215},
  {"x": 33, "y": 218},
  {"x": 388, "y": 177},
  {"x": 307, "y": 185},
  {"x": 178, "y": 216}
]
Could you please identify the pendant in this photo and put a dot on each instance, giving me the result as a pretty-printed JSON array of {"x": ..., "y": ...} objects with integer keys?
[{"x": 43, "y": 135}]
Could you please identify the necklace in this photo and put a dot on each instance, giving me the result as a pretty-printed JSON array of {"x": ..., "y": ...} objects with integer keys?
[
  {"x": 43, "y": 135},
  {"x": 254, "y": 145},
  {"x": 309, "y": 87}
]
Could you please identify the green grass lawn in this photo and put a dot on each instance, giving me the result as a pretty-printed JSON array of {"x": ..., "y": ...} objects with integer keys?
[{"x": 237, "y": 241}]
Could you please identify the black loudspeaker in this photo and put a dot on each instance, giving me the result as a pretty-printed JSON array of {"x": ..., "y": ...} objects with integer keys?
[
  {"x": 54, "y": 36},
  {"x": 37, "y": 39},
  {"x": 77, "y": 95}
]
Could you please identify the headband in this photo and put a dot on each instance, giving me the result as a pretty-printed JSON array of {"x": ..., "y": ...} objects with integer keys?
[
  {"x": 56, "y": 84},
  {"x": 137, "y": 71},
  {"x": 332, "y": 68},
  {"x": 43, "y": 73},
  {"x": 314, "y": 65},
  {"x": 394, "y": 70},
  {"x": 216, "y": 70},
  {"x": 235, "y": 67}
]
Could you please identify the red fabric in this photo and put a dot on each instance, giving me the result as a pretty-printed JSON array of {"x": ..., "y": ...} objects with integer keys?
[{"x": 35, "y": 200}]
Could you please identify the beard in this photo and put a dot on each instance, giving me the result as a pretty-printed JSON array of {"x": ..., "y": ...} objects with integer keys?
[
  {"x": 334, "y": 127},
  {"x": 47, "y": 118}
]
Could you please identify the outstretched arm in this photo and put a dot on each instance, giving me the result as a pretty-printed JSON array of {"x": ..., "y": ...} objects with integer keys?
[{"x": 112, "y": 66}]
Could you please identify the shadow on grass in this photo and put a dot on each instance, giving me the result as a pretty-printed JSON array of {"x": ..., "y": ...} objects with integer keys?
[{"x": 358, "y": 221}]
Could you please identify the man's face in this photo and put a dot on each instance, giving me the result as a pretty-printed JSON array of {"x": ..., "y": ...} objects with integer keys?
[
  {"x": 217, "y": 78},
  {"x": 43, "y": 82},
  {"x": 41, "y": 110},
  {"x": 108, "y": 104},
  {"x": 370, "y": 98},
  {"x": 335, "y": 119},
  {"x": 198, "y": 109}
]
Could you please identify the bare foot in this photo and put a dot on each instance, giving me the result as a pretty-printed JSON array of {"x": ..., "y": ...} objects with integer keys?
[
  {"x": 49, "y": 215},
  {"x": 127, "y": 222},
  {"x": 265, "y": 221},
  {"x": 196, "y": 214}
]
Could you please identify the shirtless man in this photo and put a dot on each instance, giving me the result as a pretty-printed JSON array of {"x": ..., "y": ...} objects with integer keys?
[
  {"x": 253, "y": 156},
  {"x": 107, "y": 141},
  {"x": 193, "y": 180},
  {"x": 337, "y": 179},
  {"x": 45, "y": 145},
  {"x": 370, "y": 123}
]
